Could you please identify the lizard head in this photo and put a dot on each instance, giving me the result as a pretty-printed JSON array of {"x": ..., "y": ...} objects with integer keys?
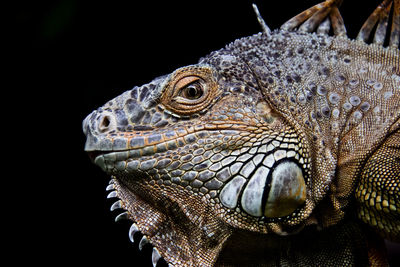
[{"x": 200, "y": 153}]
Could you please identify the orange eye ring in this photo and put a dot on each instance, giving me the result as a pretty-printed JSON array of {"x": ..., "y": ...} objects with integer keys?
[{"x": 190, "y": 90}]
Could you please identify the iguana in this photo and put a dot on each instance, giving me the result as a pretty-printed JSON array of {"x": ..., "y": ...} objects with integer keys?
[{"x": 281, "y": 149}]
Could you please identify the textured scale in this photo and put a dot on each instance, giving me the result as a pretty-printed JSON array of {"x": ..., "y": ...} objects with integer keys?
[{"x": 276, "y": 141}]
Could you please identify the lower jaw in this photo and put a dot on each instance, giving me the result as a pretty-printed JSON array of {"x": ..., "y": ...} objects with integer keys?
[
  {"x": 242, "y": 248},
  {"x": 140, "y": 241}
]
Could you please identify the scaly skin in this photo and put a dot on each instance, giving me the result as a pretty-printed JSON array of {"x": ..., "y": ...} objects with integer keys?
[{"x": 267, "y": 147}]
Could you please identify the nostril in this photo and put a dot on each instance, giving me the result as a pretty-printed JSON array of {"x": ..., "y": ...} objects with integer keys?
[{"x": 105, "y": 123}]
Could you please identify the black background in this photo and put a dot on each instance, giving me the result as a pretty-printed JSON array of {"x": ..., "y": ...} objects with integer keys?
[{"x": 70, "y": 57}]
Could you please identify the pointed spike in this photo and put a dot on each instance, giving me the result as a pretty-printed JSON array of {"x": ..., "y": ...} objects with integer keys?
[
  {"x": 110, "y": 187},
  {"x": 112, "y": 194},
  {"x": 300, "y": 18},
  {"x": 337, "y": 22},
  {"x": 116, "y": 205},
  {"x": 143, "y": 242},
  {"x": 134, "y": 229},
  {"x": 395, "y": 31},
  {"x": 261, "y": 21},
  {"x": 380, "y": 32},
  {"x": 155, "y": 256},
  {"x": 122, "y": 216},
  {"x": 310, "y": 19},
  {"x": 310, "y": 24},
  {"x": 324, "y": 27},
  {"x": 369, "y": 24}
]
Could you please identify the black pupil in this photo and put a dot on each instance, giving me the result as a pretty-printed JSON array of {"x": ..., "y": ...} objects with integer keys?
[{"x": 192, "y": 91}]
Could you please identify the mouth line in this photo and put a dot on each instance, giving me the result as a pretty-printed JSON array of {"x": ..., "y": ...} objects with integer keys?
[
  {"x": 94, "y": 154},
  {"x": 109, "y": 159},
  {"x": 140, "y": 240},
  {"x": 139, "y": 147}
]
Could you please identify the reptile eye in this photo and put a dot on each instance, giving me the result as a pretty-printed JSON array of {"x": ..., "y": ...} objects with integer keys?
[
  {"x": 192, "y": 91},
  {"x": 190, "y": 87}
]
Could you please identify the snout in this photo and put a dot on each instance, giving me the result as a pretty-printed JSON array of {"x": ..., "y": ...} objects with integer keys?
[{"x": 96, "y": 126}]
